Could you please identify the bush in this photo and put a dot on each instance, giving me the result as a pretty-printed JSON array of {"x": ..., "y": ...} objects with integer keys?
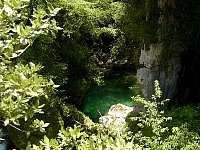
[
  {"x": 158, "y": 136},
  {"x": 188, "y": 115}
]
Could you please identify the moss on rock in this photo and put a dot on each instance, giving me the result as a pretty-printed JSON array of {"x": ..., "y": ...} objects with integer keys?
[
  {"x": 59, "y": 117},
  {"x": 19, "y": 136},
  {"x": 71, "y": 115}
]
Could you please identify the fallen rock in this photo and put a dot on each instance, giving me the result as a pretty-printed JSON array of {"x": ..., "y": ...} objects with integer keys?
[
  {"x": 116, "y": 118},
  {"x": 119, "y": 110}
]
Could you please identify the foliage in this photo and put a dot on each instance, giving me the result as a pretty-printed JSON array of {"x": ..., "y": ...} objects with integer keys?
[
  {"x": 142, "y": 19},
  {"x": 138, "y": 28},
  {"x": 71, "y": 57},
  {"x": 89, "y": 30},
  {"x": 188, "y": 115},
  {"x": 173, "y": 23},
  {"x": 85, "y": 16},
  {"x": 16, "y": 34},
  {"x": 77, "y": 138},
  {"x": 159, "y": 136},
  {"x": 153, "y": 119},
  {"x": 23, "y": 91}
]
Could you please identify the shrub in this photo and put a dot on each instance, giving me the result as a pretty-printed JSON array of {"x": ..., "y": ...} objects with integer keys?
[{"x": 152, "y": 119}]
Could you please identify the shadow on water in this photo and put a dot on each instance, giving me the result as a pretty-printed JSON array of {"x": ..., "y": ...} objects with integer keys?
[{"x": 101, "y": 98}]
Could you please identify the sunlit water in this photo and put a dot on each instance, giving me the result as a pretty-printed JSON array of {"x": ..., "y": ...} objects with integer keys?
[{"x": 100, "y": 98}]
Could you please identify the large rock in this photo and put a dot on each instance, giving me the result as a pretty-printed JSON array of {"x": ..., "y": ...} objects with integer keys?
[
  {"x": 116, "y": 117},
  {"x": 136, "y": 112},
  {"x": 157, "y": 68}
]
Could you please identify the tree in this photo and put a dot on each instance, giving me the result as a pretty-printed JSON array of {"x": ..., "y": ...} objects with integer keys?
[
  {"x": 23, "y": 92},
  {"x": 72, "y": 57}
]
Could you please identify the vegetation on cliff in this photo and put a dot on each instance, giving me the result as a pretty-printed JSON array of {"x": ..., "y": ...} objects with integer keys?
[{"x": 51, "y": 52}]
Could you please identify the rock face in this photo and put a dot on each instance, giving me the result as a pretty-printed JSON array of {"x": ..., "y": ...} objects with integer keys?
[
  {"x": 153, "y": 70},
  {"x": 116, "y": 117}
]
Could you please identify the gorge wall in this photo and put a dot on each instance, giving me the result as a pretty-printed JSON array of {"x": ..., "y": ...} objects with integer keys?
[
  {"x": 175, "y": 62},
  {"x": 152, "y": 70}
]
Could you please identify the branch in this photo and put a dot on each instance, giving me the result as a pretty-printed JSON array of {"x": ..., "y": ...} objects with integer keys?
[
  {"x": 15, "y": 127},
  {"x": 22, "y": 50}
]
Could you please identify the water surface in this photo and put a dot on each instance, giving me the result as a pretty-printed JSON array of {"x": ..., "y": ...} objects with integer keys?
[{"x": 100, "y": 98}]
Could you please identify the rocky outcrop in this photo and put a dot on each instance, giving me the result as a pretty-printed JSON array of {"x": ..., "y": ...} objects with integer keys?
[
  {"x": 157, "y": 68},
  {"x": 116, "y": 117}
]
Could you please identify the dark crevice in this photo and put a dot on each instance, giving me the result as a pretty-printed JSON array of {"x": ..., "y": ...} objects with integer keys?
[{"x": 189, "y": 81}]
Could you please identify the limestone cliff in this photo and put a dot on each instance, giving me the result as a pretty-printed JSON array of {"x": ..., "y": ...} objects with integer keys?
[{"x": 166, "y": 72}]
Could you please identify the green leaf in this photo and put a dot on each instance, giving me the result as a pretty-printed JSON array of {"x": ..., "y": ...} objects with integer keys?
[
  {"x": 28, "y": 147},
  {"x": 14, "y": 55},
  {"x": 41, "y": 106},
  {"x": 32, "y": 65},
  {"x": 26, "y": 1},
  {"x": 8, "y": 10},
  {"x": 6, "y": 122},
  {"x": 54, "y": 143},
  {"x": 25, "y": 118},
  {"x": 15, "y": 4},
  {"x": 1, "y": 78},
  {"x": 28, "y": 134},
  {"x": 44, "y": 26},
  {"x": 46, "y": 140},
  {"x": 32, "y": 93},
  {"x": 45, "y": 125},
  {"x": 56, "y": 86},
  {"x": 53, "y": 12},
  {"x": 18, "y": 29}
]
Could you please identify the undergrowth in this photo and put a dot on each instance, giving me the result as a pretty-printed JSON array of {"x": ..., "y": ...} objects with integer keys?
[{"x": 156, "y": 131}]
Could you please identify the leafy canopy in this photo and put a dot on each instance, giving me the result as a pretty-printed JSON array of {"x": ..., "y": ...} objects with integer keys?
[{"x": 22, "y": 91}]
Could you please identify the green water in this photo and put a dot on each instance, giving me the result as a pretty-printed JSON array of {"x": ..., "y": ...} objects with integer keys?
[{"x": 101, "y": 98}]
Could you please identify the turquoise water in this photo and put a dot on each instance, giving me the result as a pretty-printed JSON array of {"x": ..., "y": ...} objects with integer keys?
[
  {"x": 101, "y": 98},
  {"x": 4, "y": 140}
]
